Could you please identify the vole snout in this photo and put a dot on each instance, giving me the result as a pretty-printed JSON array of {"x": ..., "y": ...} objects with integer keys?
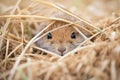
[{"x": 62, "y": 50}]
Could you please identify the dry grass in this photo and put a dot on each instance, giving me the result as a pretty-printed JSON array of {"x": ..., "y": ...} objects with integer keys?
[{"x": 96, "y": 58}]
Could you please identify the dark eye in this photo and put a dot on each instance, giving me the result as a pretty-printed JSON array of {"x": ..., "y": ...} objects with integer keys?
[
  {"x": 73, "y": 35},
  {"x": 49, "y": 36}
]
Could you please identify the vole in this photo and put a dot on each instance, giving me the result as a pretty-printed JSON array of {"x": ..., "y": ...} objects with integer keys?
[{"x": 62, "y": 40}]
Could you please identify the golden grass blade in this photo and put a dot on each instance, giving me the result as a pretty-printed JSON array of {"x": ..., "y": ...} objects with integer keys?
[
  {"x": 113, "y": 71},
  {"x": 49, "y": 52},
  {"x": 46, "y": 18},
  {"x": 79, "y": 46},
  {"x": 21, "y": 59},
  {"x": 29, "y": 71},
  {"x": 10, "y": 54},
  {"x": 8, "y": 21},
  {"x": 66, "y": 25},
  {"x": 7, "y": 48},
  {"x": 22, "y": 53},
  {"x": 80, "y": 32},
  {"x": 59, "y": 7}
]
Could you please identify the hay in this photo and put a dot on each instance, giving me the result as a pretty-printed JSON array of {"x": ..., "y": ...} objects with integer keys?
[{"x": 97, "y": 58}]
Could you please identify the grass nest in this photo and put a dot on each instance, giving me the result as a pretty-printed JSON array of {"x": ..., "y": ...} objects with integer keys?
[{"x": 96, "y": 58}]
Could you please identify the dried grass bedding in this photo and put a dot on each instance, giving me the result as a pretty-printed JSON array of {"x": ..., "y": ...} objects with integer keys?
[{"x": 21, "y": 59}]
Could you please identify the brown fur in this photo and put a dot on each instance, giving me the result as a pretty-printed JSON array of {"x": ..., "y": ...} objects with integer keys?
[{"x": 61, "y": 38}]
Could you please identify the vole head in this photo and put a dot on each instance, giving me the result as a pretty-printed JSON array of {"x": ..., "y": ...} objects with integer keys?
[{"x": 60, "y": 41}]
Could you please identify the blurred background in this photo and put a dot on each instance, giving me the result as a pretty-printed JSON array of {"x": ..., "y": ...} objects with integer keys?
[{"x": 88, "y": 9}]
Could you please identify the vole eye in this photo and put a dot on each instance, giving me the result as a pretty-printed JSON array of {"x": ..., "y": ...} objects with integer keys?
[
  {"x": 73, "y": 35},
  {"x": 49, "y": 36}
]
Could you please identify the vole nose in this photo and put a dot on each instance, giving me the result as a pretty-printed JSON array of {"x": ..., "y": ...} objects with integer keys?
[{"x": 61, "y": 50}]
